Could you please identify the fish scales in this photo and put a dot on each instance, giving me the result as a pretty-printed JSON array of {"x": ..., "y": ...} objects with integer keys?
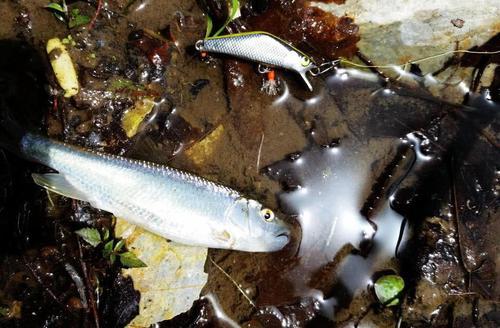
[{"x": 255, "y": 47}]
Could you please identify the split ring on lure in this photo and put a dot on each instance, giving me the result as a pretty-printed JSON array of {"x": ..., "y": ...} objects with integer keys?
[{"x": 261, "y": 47}]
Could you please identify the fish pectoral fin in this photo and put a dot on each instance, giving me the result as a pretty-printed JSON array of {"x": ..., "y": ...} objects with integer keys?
[{"x": 58, "y": 184}]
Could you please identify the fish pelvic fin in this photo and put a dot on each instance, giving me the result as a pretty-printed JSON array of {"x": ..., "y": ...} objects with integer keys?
[{"x": 58, "y": 184}]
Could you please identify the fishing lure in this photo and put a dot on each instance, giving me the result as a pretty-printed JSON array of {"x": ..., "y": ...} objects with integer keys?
[{"x": 263, "y": 48}]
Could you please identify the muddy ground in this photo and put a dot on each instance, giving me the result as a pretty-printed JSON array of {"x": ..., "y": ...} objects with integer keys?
[{"x": 430, "y": 167}]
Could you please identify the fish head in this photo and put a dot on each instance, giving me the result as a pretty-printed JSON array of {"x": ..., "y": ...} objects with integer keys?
[{"x": 253, "y": 228}]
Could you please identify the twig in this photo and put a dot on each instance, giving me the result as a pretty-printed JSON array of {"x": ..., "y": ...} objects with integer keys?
[
  {"x": 78, "y": 283},
  {"x": 97, "y": 12},
  {"x": 234, "y": 282},
  {"x": 45, "y": 288},
  {"x": 455, "y": 207},
  {"x": 92, "y": 301},
  {"x": 463, "y": 294},
  {"x": 50, "y": 198},
  {"x": 259, "y": 153}
]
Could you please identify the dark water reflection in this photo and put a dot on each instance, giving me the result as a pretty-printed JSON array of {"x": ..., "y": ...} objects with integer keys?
[{"x": 361, "y": 199}]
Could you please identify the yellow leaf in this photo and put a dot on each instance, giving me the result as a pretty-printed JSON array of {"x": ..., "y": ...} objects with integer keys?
[
  {"x": 173, "y": 278},
  {"x": 206, "y": 147},
  {"x": 133, "y": 117}
]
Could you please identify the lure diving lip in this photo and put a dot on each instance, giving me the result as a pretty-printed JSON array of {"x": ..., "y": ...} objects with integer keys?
[{"x": 263, "y": 48}]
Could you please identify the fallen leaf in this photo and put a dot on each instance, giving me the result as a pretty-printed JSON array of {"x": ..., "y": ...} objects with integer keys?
[
  {"x": 173, "y": 279},
  {"x": 90, "y": 235}
]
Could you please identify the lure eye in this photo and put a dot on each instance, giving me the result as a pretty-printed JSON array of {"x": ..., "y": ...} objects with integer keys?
[
  {"x": 267, "y": 214},
  {"x": 305, "y": 61}
]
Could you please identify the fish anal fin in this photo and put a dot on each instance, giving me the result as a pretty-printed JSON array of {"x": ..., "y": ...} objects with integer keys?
[{"x": 58, "y": 184}]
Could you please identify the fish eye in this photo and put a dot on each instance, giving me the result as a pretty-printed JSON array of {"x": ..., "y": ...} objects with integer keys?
[
  {"x": 305, "y": 61},
  {"x": 267, "y": 214}
]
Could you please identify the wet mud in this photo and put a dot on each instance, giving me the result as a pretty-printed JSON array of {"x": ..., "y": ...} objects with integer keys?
[{"x": 376, "y": 178}]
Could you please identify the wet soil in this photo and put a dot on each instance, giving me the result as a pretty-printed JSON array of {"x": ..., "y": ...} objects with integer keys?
[{"x": 375, "y": 178}]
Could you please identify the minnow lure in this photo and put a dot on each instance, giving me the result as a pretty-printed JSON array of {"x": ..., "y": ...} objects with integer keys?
[{"x": 263, "y": 48}]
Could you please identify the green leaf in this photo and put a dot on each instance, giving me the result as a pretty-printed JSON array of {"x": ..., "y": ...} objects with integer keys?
[
  {"x": 235, "y": 6},
  {"x": 90, "y": 235},
  {"x": 210, "y": 26},
  {"x": 388, "y": 288},
  {"x": 105, "y": 234},
  {"x": 77, "y": 20},
  {"x": 108, "y": 249},
  {"x": 129, "y": 260},
  {"x": 112, "y": 258},
  {"x": 55, "y": 7},
  {"x": 119, "y": 245},
  {"x": 120, "y": 84},
  {"x": 4, "y": 311}
]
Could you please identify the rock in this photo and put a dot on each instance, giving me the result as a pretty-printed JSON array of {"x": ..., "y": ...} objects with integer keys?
[{"x": 394, "y": 32}]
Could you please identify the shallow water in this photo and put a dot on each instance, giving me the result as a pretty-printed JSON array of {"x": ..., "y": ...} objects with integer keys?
[{"x": 375, "y": 178}]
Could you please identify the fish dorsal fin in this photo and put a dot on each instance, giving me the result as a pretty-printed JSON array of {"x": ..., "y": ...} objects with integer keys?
[{"x": 58, "y": 184}]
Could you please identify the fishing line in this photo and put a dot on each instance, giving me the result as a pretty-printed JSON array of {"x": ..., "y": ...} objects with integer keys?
[
  {"x": 420, "y": 60},
  {"x": 237, "y": 285}
]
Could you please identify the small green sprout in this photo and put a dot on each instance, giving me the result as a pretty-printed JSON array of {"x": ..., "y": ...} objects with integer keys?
[
  {"x": 388, "y": 288},
  {"x": 129, "y": 260},
  {"x": 68, "y": 41},
  {"x": 112, "y": 248},
  {"x": 60, "y": 10},
  {"x": 77, "y": 19},
  {"x": 234, "y": 9},
  {"x": 121, "y": 84},
  {"x": 210, "y": 26},
  {"x": 90, "y": 235},
  {"x": 105, "y": 233},
  {"x": 107, "y": 251},
  {"x": 4, "y": 312},
  {"x": 73, "y": 18}
]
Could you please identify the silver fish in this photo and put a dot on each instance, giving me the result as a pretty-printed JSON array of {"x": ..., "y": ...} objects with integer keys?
[
  {"x": 171, "y": 203},
  {"x": 260, "y": 47}
]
